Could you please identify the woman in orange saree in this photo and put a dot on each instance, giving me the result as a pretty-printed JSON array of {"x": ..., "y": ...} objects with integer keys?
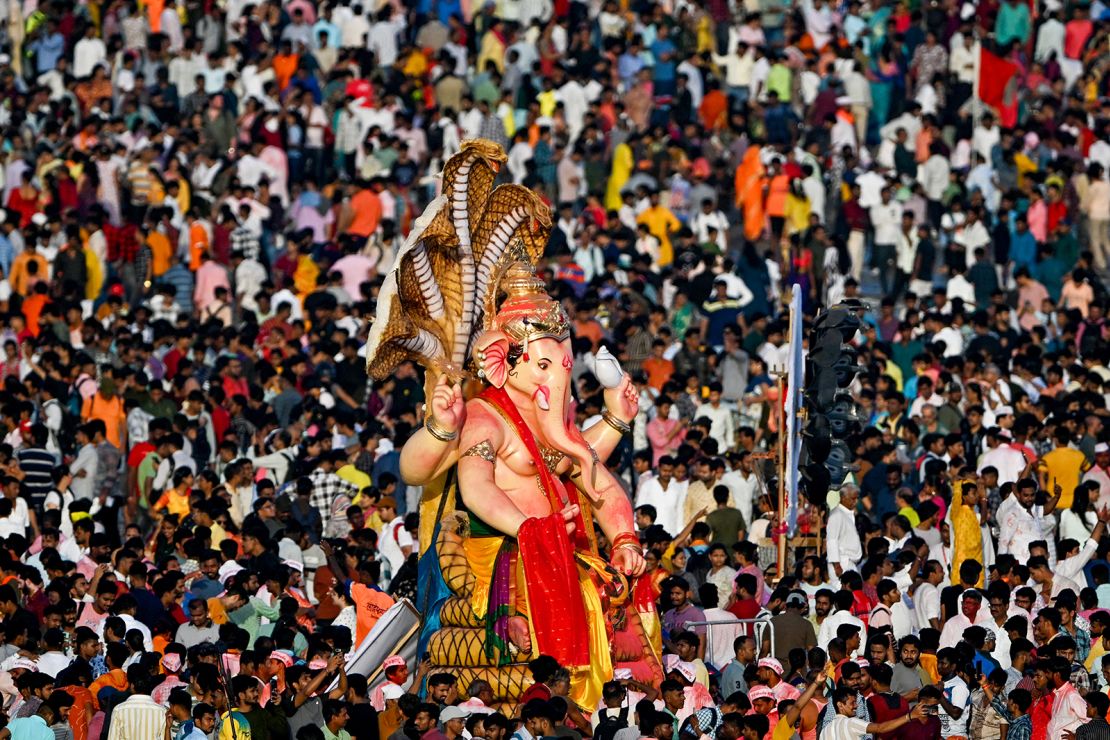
[{"x": 749, "y": 193}]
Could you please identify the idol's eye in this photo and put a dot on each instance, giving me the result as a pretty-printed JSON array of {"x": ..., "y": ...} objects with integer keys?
[{"x": 543, "y": 364}]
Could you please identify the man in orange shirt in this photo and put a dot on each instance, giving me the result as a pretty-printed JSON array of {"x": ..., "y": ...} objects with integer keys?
[
  {"x": 366, "y": 209},
  {"x": 370, "y": 601},
  {"x": 285, "y": 65},
  {"x": 713, "y": 110},
  {"x": 199, "y": 240},
  {"x": 33, "y": 306},
  {"x": 587, "y": 326},
  {"x": 161, "y": 250},
  {"x": 108, "y": 407},
  {"x": 658, "y": 369}
]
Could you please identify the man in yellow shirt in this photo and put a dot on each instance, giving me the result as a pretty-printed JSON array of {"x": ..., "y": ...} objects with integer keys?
[
  {"x": 1062, "y": 467},
  {"x": 661, "y": 223}
]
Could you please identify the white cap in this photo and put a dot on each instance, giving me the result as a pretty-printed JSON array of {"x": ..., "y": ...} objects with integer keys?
[
  {"x": 228, "y": 569},
  {"x": 450, "y": 713}
]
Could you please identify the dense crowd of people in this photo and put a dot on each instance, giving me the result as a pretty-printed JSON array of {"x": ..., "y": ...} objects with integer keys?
[{"x": 203, "y": 513}]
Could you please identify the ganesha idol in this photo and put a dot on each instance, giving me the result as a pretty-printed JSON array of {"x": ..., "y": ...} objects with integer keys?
[{"x": 510, "y": 565}]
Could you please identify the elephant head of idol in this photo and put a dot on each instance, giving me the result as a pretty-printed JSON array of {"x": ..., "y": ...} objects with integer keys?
[{"x": 526, "y": 350}]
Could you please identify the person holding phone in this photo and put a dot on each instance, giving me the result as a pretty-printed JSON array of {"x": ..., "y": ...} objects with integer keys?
[{"x": 846, "y": 726}]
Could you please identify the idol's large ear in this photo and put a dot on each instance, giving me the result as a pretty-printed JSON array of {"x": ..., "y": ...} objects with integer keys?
[{"x": 491, "y": 355}]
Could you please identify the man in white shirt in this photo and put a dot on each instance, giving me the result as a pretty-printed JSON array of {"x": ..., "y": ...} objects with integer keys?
[
  {"x": 382, "y": 39},
  {"x": 972, "y": 235},
  {"x": 83, "y": 468},
  {"x": 844, "y": 546},
  {"x": 842, "y": 601},
  {"x": 744, "y": 485},
  {"x": 1020, "y": 521},
  {"x": 353, "y": 26},
  {"x": 1069, "y": 710},
  {"x": 910, "y": 121},
  {"x": 1005, "y": 459},
  {"x": 87, "y": 53},
  {"x": 985, "y": 136},
  {"x": 394, "y": 542},
  {"x": 1100, "y": 474},
  {"x": 886, "y": 219},
  {"x": 139, "y": 715},
  {"x": 666, "y": 495},
  {"x": 971, "y": 613},
  {"x": 251, "y": 168},
  {"x": 125, "y": 607},
  {"x": 933, "y": 175},
  {"x": 963, "y": 59},
  {"x": 1050, "y": 38},
  {"x": 707, "y": 217},
  {"x": 926, "y": 599},
  {"x": 1051, "y": 584},
  {"x": 470, "y": 118},
  {"x": 960, "y": 287},
  {"x": 53, "y": 659},
  {"x": 871, "y": 186},
  {"x": 722, "y": 427}
]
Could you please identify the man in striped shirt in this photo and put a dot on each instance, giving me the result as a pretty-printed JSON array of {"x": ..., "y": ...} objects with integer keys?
[
  {"x": 139, "y": 717},
  {"x": 37, "y": 464}
]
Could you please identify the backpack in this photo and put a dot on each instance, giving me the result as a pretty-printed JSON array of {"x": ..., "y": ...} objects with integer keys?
[
  {"x": 607, "y": 728},
  {"x": 66, "y": 437},
  {"x": 76, "y": 400}
]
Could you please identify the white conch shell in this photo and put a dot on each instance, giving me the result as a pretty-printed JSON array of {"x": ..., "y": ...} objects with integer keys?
[{"x": 607, "y": 369}]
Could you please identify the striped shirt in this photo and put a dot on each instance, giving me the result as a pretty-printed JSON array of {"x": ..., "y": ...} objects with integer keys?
[
  {"x": 138, "y": 718},
  {"x": 37, "y": 465},
  {"x": 141, "y": 180},
  {"x": 1020, "y": 729},
  {"x": 1096, "y": 729}
]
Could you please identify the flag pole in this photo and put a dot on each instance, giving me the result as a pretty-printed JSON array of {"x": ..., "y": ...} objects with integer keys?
[{"x": 976, "y": 109}]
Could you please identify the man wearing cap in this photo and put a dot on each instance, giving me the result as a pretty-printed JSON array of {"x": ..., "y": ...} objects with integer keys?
[
  {"x": 1100, "y": 474},
  {"x": 792, "y": 629},
  {"x": 764, "y": 702},
  {"x": 396, "y": 673},
  {"x": 454, "y": 721},
  {"x": 769, "y": 671}
]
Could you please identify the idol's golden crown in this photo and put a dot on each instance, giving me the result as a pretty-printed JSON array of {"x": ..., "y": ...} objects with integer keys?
[{"x": 528, "y": 313}]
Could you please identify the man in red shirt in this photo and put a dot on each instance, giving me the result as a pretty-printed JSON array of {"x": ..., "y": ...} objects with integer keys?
[
  {"x": 884, "y": 704},
  {"x": 745, "y": 606}
]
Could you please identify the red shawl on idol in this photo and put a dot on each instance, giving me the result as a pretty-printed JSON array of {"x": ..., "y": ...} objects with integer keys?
[{"x": 547, "y": 557}]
